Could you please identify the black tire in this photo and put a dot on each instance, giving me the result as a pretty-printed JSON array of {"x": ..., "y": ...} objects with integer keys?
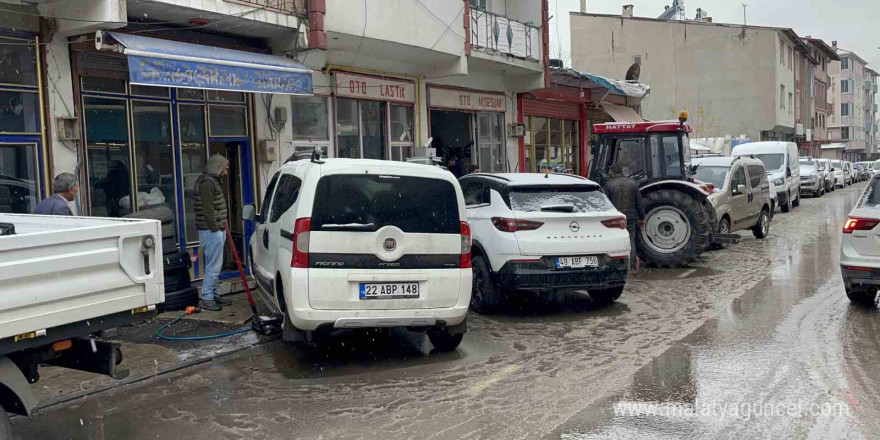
[
  {"x": 605, "y": 296},
  {"x": 168, "y": 230},
  {"x": 442, "y": 340},
  {"x": 785, "y": 207},
  {"x": 160, "y": 212},
  {"x": 723, "y": 228},
  {"x": 176, "y": 261},
  {"x": 485, "y": 296},
  {"x": 862, "y": 297},
  {"x": 698, "y": 239},
  {"x": 177, "y": 281},
  {"x": 762, "y": 228},
  {"x": 180, "y": 299},
  {"x": 796, "y": 202}
]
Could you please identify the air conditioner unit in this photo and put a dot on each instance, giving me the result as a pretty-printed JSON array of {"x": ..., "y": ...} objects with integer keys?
[{"x": 516, "y": 130}]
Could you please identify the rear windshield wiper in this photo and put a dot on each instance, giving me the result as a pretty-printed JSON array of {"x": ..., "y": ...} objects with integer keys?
[
  {"x": 351, "y": 226},
  {"x": 560, "y": 208}
]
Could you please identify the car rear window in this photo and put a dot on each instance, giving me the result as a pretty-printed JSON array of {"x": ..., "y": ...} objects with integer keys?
[
  {"x": 582, "y": 198},
  {"x": 367, "y": 202},
  {"x": 871, "y": 197}
]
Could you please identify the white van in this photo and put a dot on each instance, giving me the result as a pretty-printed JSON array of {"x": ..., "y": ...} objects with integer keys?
[
  {"x": 345, "y": 244},
  {"x": 781, "y": 161}
]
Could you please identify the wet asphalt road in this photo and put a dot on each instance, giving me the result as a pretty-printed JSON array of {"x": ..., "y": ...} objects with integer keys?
[{"x": 757, "y": 340}]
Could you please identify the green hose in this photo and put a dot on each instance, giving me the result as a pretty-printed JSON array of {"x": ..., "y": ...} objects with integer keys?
[{"x": 159, "y": 334}]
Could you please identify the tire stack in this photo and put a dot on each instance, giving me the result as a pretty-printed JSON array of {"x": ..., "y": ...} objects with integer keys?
[{"x": 179, "y": 292}]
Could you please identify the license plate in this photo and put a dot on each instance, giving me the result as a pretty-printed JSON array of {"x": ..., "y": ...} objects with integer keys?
[
  {"x": 576, "y": 262},
  {"x": 389, "y": 290}
]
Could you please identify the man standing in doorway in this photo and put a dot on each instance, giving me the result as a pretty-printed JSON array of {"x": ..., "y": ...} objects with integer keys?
[
  {"x": 211, "y": 221},
  {"x": 624, "y": 194},
  {"x": 64, "y": 186}
]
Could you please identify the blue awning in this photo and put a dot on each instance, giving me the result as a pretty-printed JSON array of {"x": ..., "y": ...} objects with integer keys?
[{"x": 156, "y": 62}]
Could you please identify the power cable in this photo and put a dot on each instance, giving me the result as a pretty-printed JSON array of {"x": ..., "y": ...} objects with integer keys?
[
  {"x": 363, "y": 34},
  {"x": 440, "y": 19}
]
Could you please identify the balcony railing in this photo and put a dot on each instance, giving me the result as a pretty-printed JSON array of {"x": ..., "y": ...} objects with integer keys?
[
  {"x": 291, "y": 7},
  {"x": 497, "y": 34}
]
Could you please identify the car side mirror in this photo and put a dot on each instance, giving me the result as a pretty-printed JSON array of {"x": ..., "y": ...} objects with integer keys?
[
  {"x": 249, "y": 213},
  {"x": 740, "y": 189}
]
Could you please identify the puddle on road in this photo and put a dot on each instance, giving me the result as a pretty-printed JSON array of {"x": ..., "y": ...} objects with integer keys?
[{"x": 793, "y": 339}]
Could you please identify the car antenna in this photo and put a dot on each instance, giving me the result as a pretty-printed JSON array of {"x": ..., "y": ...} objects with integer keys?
[{"x": 316, "y": 156}]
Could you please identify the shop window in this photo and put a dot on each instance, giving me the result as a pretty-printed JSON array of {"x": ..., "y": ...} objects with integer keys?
[
  {"x": 18, "y": 62},
  {"x": 309, "y": 118},
  {"x": 104, "y": 85},
  {"x": 154, "y": 158},
  {"x": 401, "y": 132},
  {"x": 18, "y": 178},
  {"x": 228, "y": 120},
  {"x": 555, "y": 145},
  {"x": 107, "y": 153},
  {"x": 361, "y": 129},
  {"x": 19, "y": 112},
  {"x": 373, "y": 129},
  {"x": 224, "y": 96},
  {"x": 348, "y": 128},
  {"x": 151, "y": 91},
  {"x": 193, "y": 156},
  {"x": 191, "y": 94}
]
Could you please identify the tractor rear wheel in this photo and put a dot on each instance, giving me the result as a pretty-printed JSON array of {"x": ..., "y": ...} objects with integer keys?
[{"x": 677, "y": 229}]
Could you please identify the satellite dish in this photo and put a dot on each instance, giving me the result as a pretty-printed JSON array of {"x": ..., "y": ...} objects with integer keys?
[{"x": 633, "y": 73}]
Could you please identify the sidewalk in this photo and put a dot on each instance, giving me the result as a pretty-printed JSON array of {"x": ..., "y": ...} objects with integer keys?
[{"x": 145, "y": 355}]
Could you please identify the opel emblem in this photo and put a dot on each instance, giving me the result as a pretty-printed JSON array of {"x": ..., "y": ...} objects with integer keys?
[
  {"x": 574, "y": 226},
  {"x": 390, "y": 244}
]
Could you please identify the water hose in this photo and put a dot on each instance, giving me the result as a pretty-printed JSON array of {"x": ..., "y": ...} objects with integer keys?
[{"x": 159, "y": 334}]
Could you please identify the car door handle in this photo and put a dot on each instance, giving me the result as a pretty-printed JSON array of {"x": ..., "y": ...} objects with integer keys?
[{"x": 265, "y": 238}]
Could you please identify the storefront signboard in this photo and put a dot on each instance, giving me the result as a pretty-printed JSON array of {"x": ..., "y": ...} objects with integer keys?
[
  {"x": 350, "y": 85},
  {"x": 466, "y": 100},
  {"x": 178, "y": 73}
]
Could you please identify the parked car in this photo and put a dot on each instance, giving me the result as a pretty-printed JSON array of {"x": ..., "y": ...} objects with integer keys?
[
  {"x": 876, "y": 167},
  {"x": 347, "y": 244},
  {"x": 848, "y": 172},
  {"x": 838, "y": 170},
  {"x": 781, "y": 161},
  {"x": 742, "y": 193},
  {"x": 864, "y": 170},
  {"x": 827, "y": 174},
  {"x": 860, "y": 247},
  {"x": 543, "y": 232},
  {"x": 812, "y": 180}
]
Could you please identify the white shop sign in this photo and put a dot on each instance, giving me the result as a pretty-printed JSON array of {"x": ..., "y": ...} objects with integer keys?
[
  {"x": 466, "y": 100},
  {"x": 351, "y": 85}
]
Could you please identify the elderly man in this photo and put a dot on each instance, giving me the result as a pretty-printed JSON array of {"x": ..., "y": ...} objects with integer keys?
[
  {"x": 624, "y": 194},
  {"x": 65, "y": 186},
  {"x": 211, "y": 221}
]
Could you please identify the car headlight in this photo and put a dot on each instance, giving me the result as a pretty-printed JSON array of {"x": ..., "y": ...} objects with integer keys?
[{"x": 778, "y": 182}]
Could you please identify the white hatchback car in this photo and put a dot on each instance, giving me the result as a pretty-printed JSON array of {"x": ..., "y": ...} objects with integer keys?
[
  {"x": 543, "y": 232},
  {"x": 860, "y": 247},
  {"x": 344, "y": 244}
]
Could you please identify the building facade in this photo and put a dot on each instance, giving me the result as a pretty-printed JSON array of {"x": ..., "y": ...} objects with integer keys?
[
  {"x": 819, "y": 106},
  {"x": 852, "y": 98},
  {"x": 734, "y": 80}
]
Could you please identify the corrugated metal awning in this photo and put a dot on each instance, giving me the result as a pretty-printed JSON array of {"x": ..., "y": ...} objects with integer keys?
[{"x": 622, "y": 113}]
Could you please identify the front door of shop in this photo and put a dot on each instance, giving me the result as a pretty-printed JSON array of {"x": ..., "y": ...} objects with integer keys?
[
  {"x": 490, "y": 154},
  {"x": 237, "y": 191}
]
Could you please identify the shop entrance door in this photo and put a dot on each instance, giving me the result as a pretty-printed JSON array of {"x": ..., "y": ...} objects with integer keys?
[
  {"x": 238, "y": 192},
  {"x": 453, "y": 134},
  {"x": 490, "y": 151}
]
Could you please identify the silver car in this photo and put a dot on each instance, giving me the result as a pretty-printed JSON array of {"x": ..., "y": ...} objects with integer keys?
[
  {"x": 742, "y": 193},
  {"x": 825, "y": 170},
  {"x": 812, "y": 180}
]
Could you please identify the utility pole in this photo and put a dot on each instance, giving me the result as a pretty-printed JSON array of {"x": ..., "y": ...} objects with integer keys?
[{"x": 744, "y": 14}]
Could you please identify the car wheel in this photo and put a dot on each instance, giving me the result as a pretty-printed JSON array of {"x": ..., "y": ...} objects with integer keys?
[
  {"x": 762, "y": 228},
  {"x": 797, "y": 201},
  {"x": 442, "y": 340},
  {"x": 785, "y": 207},
  {"x": 485, "y": 298},
  {"x": 606, "y": 296},
  {"x": 723, "y": 228},
  {"x": 864, "y": 297}
]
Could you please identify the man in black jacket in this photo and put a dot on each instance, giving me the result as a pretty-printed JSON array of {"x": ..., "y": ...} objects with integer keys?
[
  {"x": 211, "y": 220},
  {"x": 624, "y": 194}
]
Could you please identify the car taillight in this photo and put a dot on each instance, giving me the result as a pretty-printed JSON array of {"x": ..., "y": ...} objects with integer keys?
[
  {"x": 301, "y": 243},
  {"x": 616, "y": 222},
  {"x": 859, "y": 224},
  {"x": 504, "y": 224},
  {"x": 465, "y": 246}
]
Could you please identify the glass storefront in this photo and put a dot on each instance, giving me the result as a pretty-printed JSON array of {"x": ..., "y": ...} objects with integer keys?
[
  {"x": 552, "y": 145},
  {"x": 153, "y": 142},
  {"x": 20, "y": 126}
]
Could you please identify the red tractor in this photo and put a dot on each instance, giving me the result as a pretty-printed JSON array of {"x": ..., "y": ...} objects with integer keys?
[{"x": 680, "y": 221}]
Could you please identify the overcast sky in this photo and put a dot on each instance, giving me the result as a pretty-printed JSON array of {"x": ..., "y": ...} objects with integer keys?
[{"x": 853, "y": 23}]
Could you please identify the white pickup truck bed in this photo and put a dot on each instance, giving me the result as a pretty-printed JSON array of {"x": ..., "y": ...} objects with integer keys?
[{"x": 62, "y": 270}]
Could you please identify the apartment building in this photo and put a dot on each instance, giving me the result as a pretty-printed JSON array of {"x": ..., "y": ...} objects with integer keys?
[
  {"x": 851, "y": 125},
  {"x": 734, "y": 80},
  {"x": 819, "y": 106}
]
